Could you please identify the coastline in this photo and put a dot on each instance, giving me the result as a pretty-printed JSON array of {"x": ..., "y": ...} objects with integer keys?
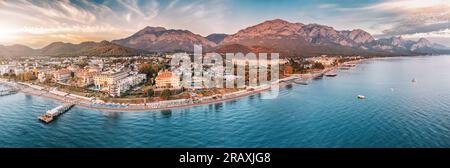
[{"x": 186, "y": 104}]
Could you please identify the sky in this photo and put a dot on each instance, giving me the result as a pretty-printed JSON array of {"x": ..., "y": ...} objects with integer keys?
[{"x": 36, "y": 23}]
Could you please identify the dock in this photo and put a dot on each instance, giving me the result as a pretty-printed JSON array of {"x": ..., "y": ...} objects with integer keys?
[
  {"x": 9, "y": 91},
  {"x": 50, "y": 115},
  {"x": 9, "y": 88}
]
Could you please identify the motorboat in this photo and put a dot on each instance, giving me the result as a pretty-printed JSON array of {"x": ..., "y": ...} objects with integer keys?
[{"x": 331, "y": 74}]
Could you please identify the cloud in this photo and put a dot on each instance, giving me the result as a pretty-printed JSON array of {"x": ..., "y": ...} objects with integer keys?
[
  {"x": 38, "y": 23},
  {"x": 327, "y": 6},
  {"x": 445, "y": 33},
  {"x": 414, "y": 16},
  {"x": 387, "y": 18},
  {"x": 32, "y": 22}
]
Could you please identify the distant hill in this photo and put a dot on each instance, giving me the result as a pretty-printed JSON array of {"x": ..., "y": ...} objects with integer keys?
[
  {"x": 103, "y": 48},
  {"x": 60, "y": 48},
  {"x": 216, "y": 38},
  {"x": 407, "y": 47},
  {"x": 159, "y": 39},
  {"x": 15, "y": 50},
  {"x": 106, "y": 48}
]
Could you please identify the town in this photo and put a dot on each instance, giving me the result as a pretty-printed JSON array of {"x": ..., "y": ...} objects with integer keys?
[{"x": 146, "y": 80}]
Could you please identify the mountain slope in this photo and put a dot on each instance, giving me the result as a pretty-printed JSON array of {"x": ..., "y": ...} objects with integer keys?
[
  {"x": 106, "y": 48},
  {"x": 159, "y": 39},
  {"x": 297, "y": 39},
  {"x": 407, "y": 47},
  {"x": 60, "y": 48},
  {"x": 216, "y": 38},
  {"x": 15, "y": 50},
  {"x": 103, "y": 48}
]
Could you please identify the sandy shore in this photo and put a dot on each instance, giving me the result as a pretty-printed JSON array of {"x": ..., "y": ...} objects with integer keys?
[
  {"x": 144, "y": 108},
  {"x": 130, "y": 108}
]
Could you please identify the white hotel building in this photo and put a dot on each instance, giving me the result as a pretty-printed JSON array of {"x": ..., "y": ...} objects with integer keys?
[{"x": 116, "y": 83}]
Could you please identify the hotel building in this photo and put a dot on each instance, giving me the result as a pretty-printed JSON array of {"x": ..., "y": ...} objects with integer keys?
[{"x": 167, "y": 80}]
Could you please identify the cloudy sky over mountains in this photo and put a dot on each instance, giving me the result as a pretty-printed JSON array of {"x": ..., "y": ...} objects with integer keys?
[{"x": 38, "y": 23}]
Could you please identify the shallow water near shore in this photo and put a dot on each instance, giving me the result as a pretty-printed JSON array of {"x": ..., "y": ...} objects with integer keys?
[{"x": 326, "y": 113}]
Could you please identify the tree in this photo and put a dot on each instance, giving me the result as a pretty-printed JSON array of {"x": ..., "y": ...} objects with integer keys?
[
  {"x": 82, "y": 64},
  {"x": 26, "y": 76},
  {"x": 318, "y": 65},
  {"x": 165, "y": 94},
  {"x": 288, "y": 70},
  {"x": 147, "y": 69},
  {"x": 149, "y": 92},
  {"x": 12, "y": 76},
  {"x": 48, "y": 78}
]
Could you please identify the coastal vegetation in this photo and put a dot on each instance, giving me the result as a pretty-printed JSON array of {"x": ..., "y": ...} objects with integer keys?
[{"x": 165, "y": 94}]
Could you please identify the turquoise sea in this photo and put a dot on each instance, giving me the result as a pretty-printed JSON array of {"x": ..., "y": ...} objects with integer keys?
[{"x": 326, "y": 113}]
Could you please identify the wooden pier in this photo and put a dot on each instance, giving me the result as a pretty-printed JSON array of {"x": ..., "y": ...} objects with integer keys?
[{"x": 50, "y": 115}]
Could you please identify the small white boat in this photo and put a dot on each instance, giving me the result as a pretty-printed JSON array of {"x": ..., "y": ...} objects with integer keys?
[
  {"x": 361, "y": 97},
  {"x": 331, "y": 74}
]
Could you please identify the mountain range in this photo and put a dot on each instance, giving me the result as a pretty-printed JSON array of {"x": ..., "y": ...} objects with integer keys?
[
  {"x": 289, "y": 39},
  {"x": 103, "y": 48}
]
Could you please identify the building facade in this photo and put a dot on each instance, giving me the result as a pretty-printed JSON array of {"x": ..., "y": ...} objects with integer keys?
[
  {"x": 116, "y": 83},
  {"x": 167, "y": 80},
  {"x": 62, "y": 75}
]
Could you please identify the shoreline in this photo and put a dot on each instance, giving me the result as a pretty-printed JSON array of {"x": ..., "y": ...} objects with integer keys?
[
  {"x": 187, "y": 104},
  {"x": 144, "y": 108}
]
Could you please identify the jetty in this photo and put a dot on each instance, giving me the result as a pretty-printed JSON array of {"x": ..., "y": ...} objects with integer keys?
[
  {"x": 50, "y": 115},
  {"x": 9, "y": 88},
  {"x": 8, "y": 91}
]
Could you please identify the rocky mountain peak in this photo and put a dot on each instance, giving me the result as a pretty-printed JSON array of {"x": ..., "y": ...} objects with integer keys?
[
  {"x": 421, "y": 43},
  {"x": 159, "y": 39},
  {"x": 360, "y": 36}
]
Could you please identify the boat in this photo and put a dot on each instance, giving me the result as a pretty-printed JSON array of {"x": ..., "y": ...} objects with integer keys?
[
  {"x": 331, "y": 74},
  {"x": 320, "y": 76},
  {"x": 361, "y": 97},
  {"x": 413, "y": 80},
  {"x": 349, "y": 65}
]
